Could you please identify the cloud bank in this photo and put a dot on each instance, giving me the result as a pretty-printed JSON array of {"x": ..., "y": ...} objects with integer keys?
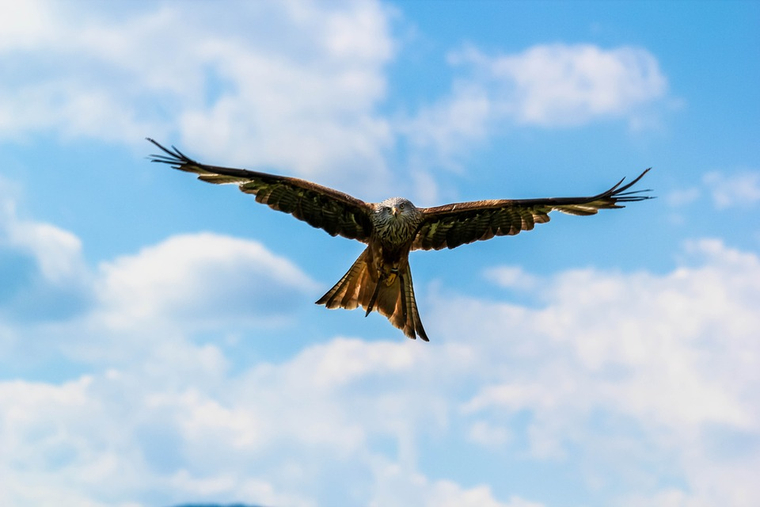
[{"x": 658, "y": 368}]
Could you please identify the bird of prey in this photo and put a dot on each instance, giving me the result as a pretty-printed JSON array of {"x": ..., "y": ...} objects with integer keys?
[{"x": 380, "y": 279}]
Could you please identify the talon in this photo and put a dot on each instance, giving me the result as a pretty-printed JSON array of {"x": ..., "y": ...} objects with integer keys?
[{"x": 390, "y": 279}]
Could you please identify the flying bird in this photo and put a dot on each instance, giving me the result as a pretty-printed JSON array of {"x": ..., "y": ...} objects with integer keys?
[{"x": 380, "y": 279}]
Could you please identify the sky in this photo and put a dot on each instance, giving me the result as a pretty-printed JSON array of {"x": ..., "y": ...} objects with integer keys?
[{"x": 159, "y": 341}]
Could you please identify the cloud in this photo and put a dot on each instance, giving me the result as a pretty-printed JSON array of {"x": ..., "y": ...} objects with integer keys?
[
  {"x": 160, "y": 419},
  {"x": 737, "y": 190},
  {"x": 635, "y": 364},
  {"x": 113, "y": 456},
  {"x": 596, "y": 320},
  {"x": 400, "y": 489},
  {"x": 511, "y": 277},
  {"x": 546, "y": 85},
  {"x": 203, "y": 279},
  {"x": 292, "y": 85},
  {"x": 44, "y": 275},
  {"x": 55, "y": 307},
  {"x": 450, "y": 125},
  {"x": 683, "y": 197},
  {"x": 311, "y": 108},
  {"x": 565, "y": 85},
  {"x": 658, "y": 368},
  {"x": 636, "y": 386},
  {"x": 279, "y": 434},
  {"x": 488, "y": 435},
  {"x": 726, "y": 190},
  {"x": 146, "y": 306},
  {"x": 295, "y": 85}
]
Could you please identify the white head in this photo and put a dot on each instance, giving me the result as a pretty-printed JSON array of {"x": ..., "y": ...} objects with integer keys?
[
  {"x": 396, "y": 207},
  {"x": 396, "y": 219}
]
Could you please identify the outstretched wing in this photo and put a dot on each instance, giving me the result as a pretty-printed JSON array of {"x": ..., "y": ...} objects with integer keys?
[
  {"x": 457, "y": 224},
  {"x": 321, "y": 207}
]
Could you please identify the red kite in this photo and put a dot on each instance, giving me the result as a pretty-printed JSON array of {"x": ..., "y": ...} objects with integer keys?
[{"x": 381, "y": 279}]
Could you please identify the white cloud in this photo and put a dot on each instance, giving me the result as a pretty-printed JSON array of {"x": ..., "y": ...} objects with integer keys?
[
  {"x": 728, "y": 190},
  {"x": 289, "y": 84},
  {"x": 53, "y": 304},
  {"x": 671, "y": 358},
  {"x": 558, "y": 84},
  {"x": 296, "y": 86},
  {"x": 737, "y": 190},
  {"x": 91, "y": 441},
  {"x": 52, "y": 455},
  {"x": 694, "y": 318},
  {"x": 658, "y": 368},
  {"x": 312, "y": 110},
  {"x": 25, "y": 24},
  {"x": 682, "y": 197},
  {"x": 43, "y": 272},
  {"x": 511, "y": 277},
  {"x": 400, "y": 488},
  {"x": 450, "y": 126},
  {"x": 287, "y": 434},
  {"x": 57, "y": 252},
  {"x": 199, "y": 278},
  {"x": 547, "y": 85},
  {"x": 488, "y": 435}
]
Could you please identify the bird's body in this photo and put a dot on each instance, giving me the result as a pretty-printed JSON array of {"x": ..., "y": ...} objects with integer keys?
[{"x": 380, "y": 279}]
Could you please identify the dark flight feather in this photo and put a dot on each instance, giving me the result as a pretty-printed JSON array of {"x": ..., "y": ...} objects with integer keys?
[
  {"x": 325, "y": 208},
  {"x": 452, "y": 225}
]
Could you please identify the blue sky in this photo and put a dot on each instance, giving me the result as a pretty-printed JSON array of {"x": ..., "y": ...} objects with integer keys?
[{"x": 158, "y": 338}]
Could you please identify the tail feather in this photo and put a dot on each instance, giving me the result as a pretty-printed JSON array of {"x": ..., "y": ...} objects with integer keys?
[
  {"x": 406, "y": 309},
  {"x": 395, "y": 301},
  {"x": 345, "y": 293}
]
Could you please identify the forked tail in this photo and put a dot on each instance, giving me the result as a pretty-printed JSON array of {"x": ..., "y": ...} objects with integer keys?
[{"x": 392, "y": 297}]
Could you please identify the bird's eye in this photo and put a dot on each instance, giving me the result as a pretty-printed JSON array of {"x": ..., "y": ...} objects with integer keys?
[{"x": 401, "y": 206}]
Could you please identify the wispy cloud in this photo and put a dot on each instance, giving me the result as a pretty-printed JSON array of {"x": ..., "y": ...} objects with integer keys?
[
  {"x": 43, "y": 273},
  {"x": 565, "y": 85},
  {"x": 511, "y": 277},
  {"x": 547, "y": 85},
  {"x": 726, "y": 190},
  {"x": 735, "y": 190},
  {"x": 683, "y": 196}
]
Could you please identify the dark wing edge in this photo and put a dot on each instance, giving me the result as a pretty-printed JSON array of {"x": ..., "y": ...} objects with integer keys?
[
  {"x": 591, "y": 205},
  {"x": 324, "y": 208},
  {"x": 452, "y": 225}
]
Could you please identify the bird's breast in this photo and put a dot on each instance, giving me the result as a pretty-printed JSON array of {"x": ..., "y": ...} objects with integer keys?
[{"x": 394, "y": 234}]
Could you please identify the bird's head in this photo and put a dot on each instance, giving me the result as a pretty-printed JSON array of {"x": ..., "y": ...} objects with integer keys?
[
  {"x": 396, "y": 219},
  {"x": 397, "y": 208}
]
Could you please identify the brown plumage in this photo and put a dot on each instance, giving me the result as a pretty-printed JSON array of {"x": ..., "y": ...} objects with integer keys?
[{"x": 381, "y": 279}]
